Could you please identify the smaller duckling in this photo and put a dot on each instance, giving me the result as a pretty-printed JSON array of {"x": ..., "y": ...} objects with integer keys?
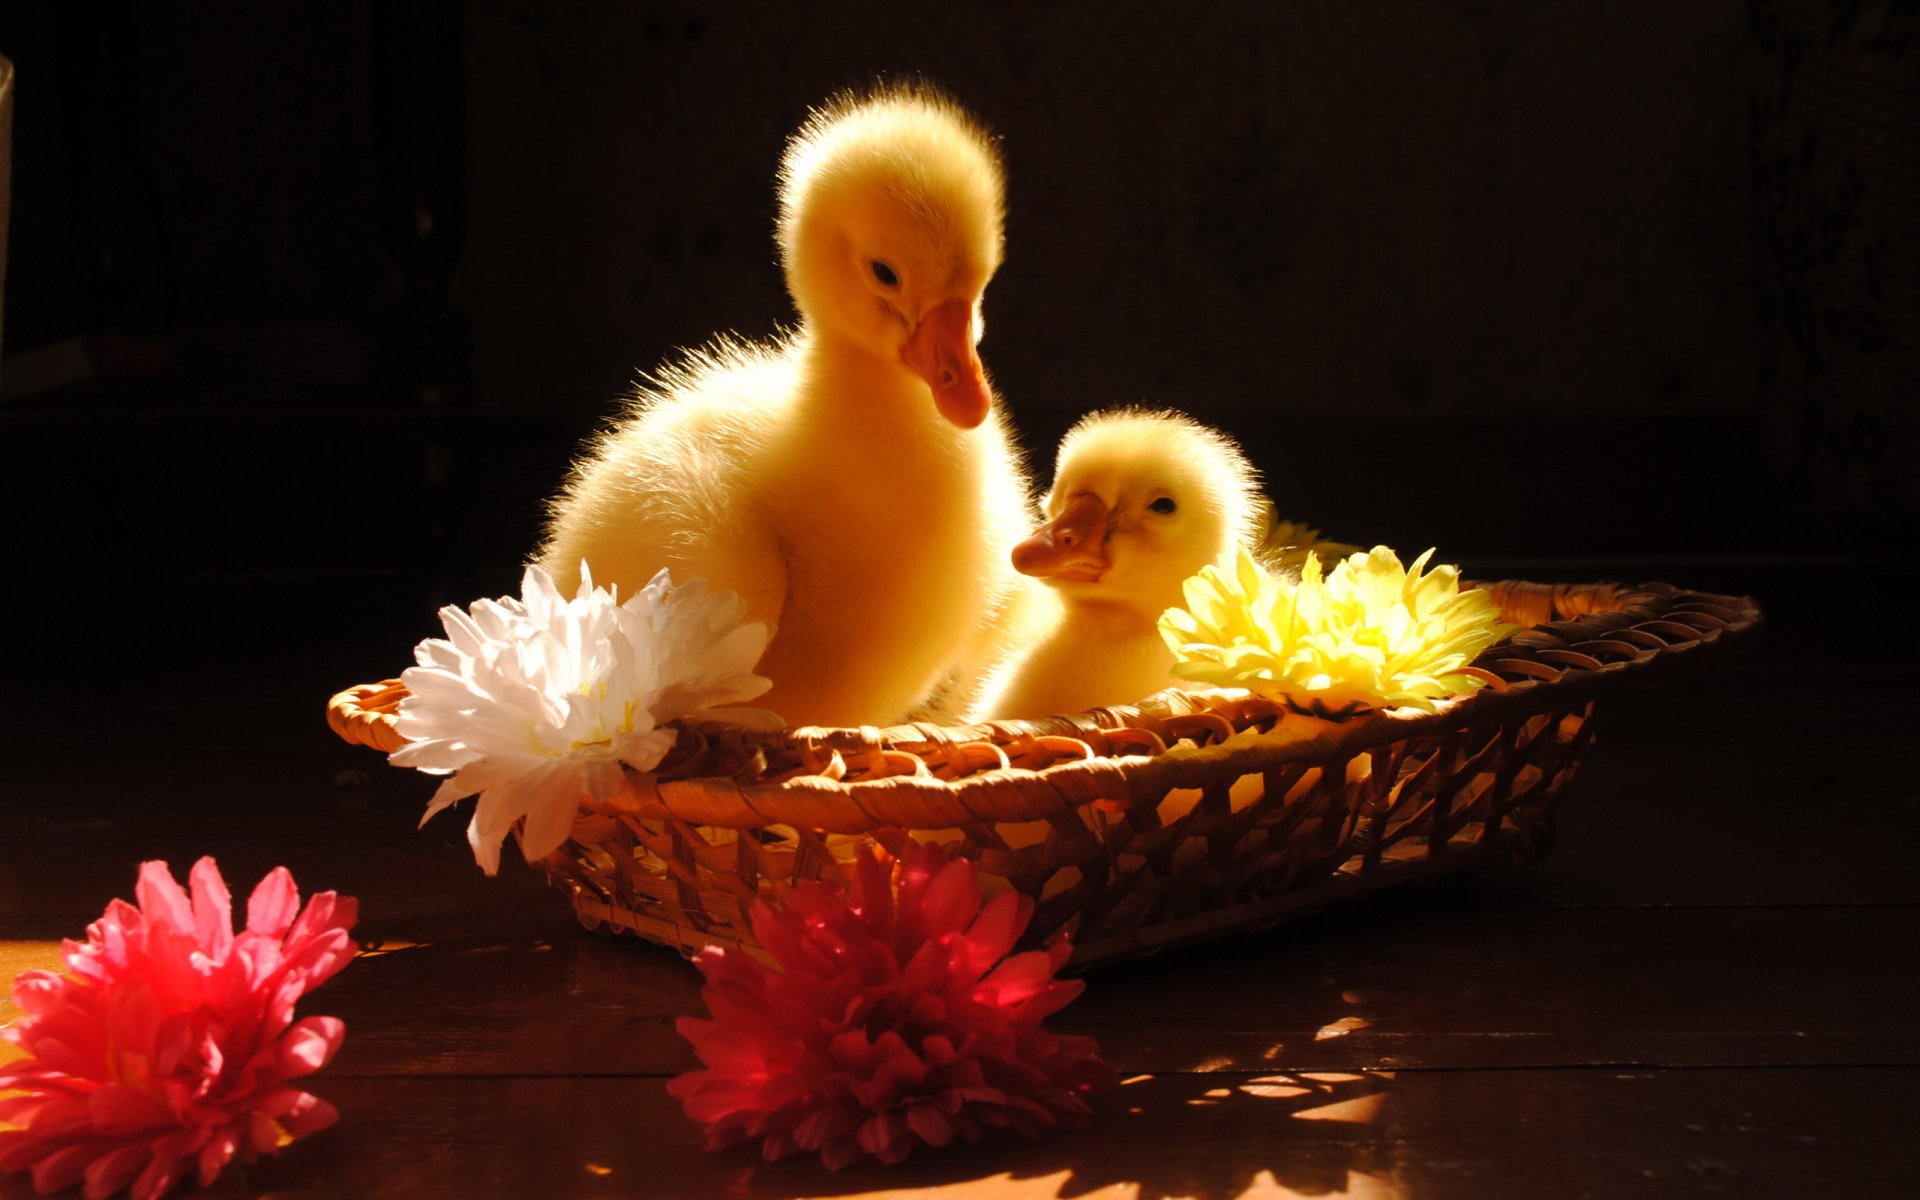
[{"x": 1141, "y": 500}]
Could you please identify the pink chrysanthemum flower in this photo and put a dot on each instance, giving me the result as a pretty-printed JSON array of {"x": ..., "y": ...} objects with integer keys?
[
  {"x": 166, "y": 1047},
  {"x": 889, "y": 1021}
]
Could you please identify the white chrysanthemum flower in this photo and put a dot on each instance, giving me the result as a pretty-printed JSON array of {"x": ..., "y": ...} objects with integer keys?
[{"x": 535, "y": 702}]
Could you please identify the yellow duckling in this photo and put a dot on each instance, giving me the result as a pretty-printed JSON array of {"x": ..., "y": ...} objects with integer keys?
[
  {"x": 1140, "y": 501},
  {"x": 853, "y": 479}
]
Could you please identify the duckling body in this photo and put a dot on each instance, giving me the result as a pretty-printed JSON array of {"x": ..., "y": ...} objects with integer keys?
[
  {"x": 1140, "y": 501},
  {"x": 853, "y": 480}
]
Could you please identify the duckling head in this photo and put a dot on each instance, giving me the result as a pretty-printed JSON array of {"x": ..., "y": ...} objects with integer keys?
[
  {"x": 1140, "y": 501},
  {"x": 892, "y": 207}
]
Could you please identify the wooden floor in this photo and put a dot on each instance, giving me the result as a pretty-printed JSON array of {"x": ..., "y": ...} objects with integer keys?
[{"x": 1708, "y": 989}]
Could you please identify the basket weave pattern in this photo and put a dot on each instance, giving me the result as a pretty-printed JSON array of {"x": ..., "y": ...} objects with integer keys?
[{"x": 1135, "y": 827}]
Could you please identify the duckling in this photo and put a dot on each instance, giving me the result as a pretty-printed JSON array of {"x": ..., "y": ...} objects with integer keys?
[
  {"x": 1140, "y": 501},
  {"x": 853, "y": 479}
]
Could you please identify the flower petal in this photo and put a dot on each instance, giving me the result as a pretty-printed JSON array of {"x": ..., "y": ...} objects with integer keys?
[
  {"x": 212, "y": 909},
  {"x": 114, "y": 1170},
  {"x": 522, "y": 688},
  {"x": 308, "y": 1045},
  {"x": 161, "y": 899},
  {"x": 273, "y": 905},
  {"x": 553, "y": 801},
  {"x": 841, "y": 1049},
  {"x": 145, "y": 1060}
]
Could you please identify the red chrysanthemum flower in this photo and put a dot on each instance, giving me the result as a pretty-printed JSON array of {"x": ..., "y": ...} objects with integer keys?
[
  {"x": 166, "y": 1047},
  {"x": 893, "y": 1020}
]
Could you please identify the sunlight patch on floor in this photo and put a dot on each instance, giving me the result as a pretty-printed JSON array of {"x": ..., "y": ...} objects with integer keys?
[
  {"x": 1360, "y": 1186},
  {"x": 17, "y": 956},
  {"x": 1003, "y": 1186},
  {"x": 382, "y": 948},
  {"x": 1361, "y": 1110},
  {"x": 1274, "y": 1087},
  {"x": 1340, "y": 1028}
]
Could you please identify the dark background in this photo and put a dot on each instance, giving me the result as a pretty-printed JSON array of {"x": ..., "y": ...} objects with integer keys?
[{"x": 1569, "y": 290}]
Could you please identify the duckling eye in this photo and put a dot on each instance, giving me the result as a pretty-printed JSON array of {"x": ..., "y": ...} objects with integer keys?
[
  {"x": 1164, "y": 505},
  {"x": 884, "y": 274}
]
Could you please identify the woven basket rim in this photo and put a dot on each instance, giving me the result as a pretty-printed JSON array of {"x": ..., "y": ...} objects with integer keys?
[{"x": 1576, "y": 641}]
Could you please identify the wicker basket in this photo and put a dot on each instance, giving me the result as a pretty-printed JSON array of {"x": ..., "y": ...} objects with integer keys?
[{"x": 1139, "y": 827}]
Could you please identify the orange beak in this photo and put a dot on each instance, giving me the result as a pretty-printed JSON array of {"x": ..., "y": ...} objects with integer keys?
[
  {"x": 941, "y": 352},
  {"x": 1071, "y": 547}
]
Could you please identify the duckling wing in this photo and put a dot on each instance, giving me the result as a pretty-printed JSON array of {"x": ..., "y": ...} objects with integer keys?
[{"x": 672, "y": 485}]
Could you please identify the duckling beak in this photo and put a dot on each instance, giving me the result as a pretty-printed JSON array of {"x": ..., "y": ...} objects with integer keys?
[
  {"x": 1072, "y": 547},
  {"x": 941, "y": 352}
]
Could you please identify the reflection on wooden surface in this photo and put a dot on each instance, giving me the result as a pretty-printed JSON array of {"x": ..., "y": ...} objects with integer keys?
[{"x": 1705, "y": 990}]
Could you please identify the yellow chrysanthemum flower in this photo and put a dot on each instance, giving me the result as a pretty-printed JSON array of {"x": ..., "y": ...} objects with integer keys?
[
  {"x": 1371, "y": 634},
  {"x": 1287, "y": 544}
]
